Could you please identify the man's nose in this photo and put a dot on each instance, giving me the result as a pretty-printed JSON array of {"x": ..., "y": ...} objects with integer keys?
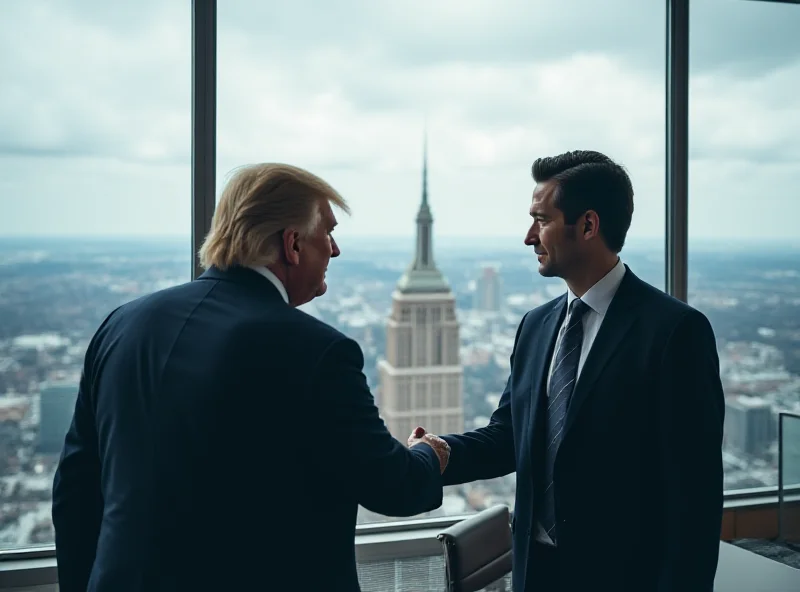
[{"x": 335, "y": 252}]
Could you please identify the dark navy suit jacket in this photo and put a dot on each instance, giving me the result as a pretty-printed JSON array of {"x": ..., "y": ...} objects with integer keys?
[
  {"x": 223, "y": 440},
  {"x": 638, "y": 475}
]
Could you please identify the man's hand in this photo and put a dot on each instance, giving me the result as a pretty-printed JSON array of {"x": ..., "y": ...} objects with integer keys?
[{"x": 440, "y": 447}]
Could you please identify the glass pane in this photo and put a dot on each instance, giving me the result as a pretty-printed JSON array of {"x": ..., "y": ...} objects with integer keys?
[
  {"x": 413, "y": 574},
  {"x": 790, "y": 480},
  {"x": 94, "y": 210},
  {"x": 744, "y": 257},
  {"x": 494, "y": 87}
]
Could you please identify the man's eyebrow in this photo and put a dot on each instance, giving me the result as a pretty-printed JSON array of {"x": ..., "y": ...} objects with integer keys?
[{"x": 537, "y": 214}]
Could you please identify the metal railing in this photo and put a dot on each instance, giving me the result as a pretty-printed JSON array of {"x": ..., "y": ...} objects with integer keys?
[{"x": 789, "y": 477}]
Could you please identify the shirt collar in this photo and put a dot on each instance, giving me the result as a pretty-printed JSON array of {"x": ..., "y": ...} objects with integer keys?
[
  {"x": 272, "y": 278},
  {"x": 599, "y": 296}
]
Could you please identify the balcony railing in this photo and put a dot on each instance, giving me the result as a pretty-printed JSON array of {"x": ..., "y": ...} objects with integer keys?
[{"x": 391, "y": 556}]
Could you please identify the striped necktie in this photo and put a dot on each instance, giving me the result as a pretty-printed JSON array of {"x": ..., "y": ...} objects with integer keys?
[{"x": 562, "y": 384}]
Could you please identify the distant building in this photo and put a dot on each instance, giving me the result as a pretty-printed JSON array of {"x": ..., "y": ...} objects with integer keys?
[
  {"x": 750, "y": 426},
  {"x": 488, "y": 290},
  {"x": 421, "y": 378},
  {"x": 14, "y": 408},
  {"x": 57, "y": 404}
]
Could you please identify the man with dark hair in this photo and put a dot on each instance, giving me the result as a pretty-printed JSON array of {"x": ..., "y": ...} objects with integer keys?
[{"x": 612, "y": 416}]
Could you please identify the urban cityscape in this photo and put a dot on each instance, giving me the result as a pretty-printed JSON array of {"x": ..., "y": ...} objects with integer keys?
[{"x": 436, "y": 321}]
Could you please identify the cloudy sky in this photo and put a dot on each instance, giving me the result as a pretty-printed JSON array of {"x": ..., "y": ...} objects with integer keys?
[{"x": 95, "y": 109}]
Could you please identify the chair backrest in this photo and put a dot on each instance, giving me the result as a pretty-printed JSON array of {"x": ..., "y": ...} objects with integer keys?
[{"x": 477, "y": 551}]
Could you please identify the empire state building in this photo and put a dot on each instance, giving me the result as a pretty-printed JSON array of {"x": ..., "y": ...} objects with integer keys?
[{"x": 421, "y": 377}]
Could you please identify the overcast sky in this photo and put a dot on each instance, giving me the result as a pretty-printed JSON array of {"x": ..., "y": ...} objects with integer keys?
[{"x": 95, "y": 109}]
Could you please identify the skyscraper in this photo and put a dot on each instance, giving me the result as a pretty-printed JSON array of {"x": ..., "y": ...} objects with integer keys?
[
  {"x": 57, "y": 404},
  {"x": 750, "y": 425},
  {"x": 488, "y": 291},
  {"x": 422, "y": 377}
]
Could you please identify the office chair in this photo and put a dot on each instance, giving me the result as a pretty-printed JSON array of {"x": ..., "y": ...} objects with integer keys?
[{"x": 477, "y": 551}]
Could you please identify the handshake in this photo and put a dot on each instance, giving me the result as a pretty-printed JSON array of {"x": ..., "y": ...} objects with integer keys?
[{"x": 440, "y": 447}]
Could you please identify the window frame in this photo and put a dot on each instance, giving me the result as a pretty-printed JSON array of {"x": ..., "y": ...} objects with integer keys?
[{"x": 36, "y": 565}]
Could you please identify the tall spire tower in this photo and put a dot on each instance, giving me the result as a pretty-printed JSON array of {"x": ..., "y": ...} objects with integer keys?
[
  {"x": 422, "y": 276},
  {"x": 421, "y": 376}
]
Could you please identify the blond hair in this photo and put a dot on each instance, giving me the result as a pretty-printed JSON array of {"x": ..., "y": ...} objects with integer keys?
[{"x": 257, "y": 204}]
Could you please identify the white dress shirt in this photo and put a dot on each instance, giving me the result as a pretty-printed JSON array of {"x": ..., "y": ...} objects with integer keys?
[
  {"x": 273, "y": 278},
  {"x": 598, "y": 298}
]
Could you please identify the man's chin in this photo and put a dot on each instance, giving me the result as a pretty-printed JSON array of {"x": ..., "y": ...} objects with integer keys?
[
  {"x": 321, "y": 290},
  {"x": 546, "y": 270}
]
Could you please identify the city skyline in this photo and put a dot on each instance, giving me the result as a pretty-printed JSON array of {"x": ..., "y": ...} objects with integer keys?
[{"x": 52, "y": 302}]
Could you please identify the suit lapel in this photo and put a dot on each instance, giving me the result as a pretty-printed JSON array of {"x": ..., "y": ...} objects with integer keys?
[
  {"x": 541, "y": 353},
  {"x": 618, "y": 321}
]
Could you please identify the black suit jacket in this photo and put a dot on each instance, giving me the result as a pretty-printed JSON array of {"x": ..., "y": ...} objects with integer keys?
[
  {"x": 223, "y": 440},
  {"x": 638, "y": 475}
]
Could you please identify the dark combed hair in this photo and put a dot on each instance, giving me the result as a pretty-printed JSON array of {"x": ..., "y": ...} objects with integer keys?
[{"x": 588, "y": 180}]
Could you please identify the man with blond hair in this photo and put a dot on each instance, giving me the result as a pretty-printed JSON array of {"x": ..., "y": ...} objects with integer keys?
[{"x": 223, "y": 439}]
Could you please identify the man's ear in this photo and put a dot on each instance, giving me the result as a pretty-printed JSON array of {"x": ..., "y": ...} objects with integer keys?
[
  {"x": 591, "y": 225},
  {"x": 291, "y": 246}
]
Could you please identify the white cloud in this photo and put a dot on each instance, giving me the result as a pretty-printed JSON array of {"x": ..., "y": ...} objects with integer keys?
[
  {"x": 758, "y": 116},
  {"x": 344, "y": 89},
  {"x": 73, "y": 85}
]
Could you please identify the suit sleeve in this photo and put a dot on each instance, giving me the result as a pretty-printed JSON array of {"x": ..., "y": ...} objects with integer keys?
[
  {"x": 77, "y": 499},
  {"x": 382, "y": 474},
  {"x": 487, "y": 452},
  {"x": 691, "y": 415}
]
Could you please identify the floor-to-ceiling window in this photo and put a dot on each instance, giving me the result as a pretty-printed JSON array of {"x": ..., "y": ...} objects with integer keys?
[
  {"x": 744, "y": 248},
  {"x": 351, "y": 89},
  {"x": 94, "y": 210}
]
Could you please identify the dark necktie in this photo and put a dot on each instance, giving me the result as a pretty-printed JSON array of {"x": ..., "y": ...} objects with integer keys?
[{"x": 562, "y": 383}]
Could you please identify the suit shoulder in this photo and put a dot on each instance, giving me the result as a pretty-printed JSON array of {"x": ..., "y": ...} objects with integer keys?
[
  {"x": 669, "y": 306},
  {"x": 317, "y": 328},
  {"x": 323, "y": 344},
  {"x": 672, "y": 314},
  {"x": 308, "y": 336},
  {"x": 158, "y": 299},
  {"x": 543, "y": 310}
]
